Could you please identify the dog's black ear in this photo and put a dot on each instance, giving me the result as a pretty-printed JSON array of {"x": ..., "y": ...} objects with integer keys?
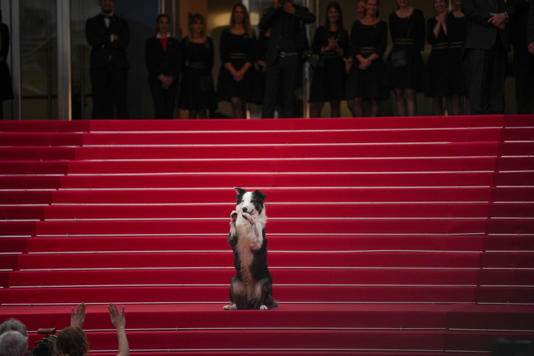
[
  {"x": 259, "y": 195},
  {"x": 239, "y": 194}
]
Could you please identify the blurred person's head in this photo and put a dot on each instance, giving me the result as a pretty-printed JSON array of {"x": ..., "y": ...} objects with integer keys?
[
  {"x": 13, "y": 325},
  {"x": 401, "y": 4},
  {"x": 240, "y": 16},
  {"x": 360, "y": 9},
  {"x": 441, "y": 6},
  {"x": 371, "y": 8},
  {"x": 107, "y": 6},
  {"x": 13, "y": 343},
  {"x": 457, "y": 4},
  {"x": 277, "y": 3},
  {"x": 334, "y": 14},
  {"x": 162, "y": 22},
  {"x": 71, "y": 341},
  {"x": 197, "y": 25}
]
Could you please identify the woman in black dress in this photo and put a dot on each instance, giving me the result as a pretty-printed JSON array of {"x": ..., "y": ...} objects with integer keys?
[
  {"x": 436, "y": 79},
  {"x": 404, "y": 65},
  {"x": 368, "y": 43},
  {"x": 6, "y": 91},
  {"x": 197, "y": 93},
  {"x": 164, "y": 58},
  {"x": 457, "y": 88},
  {"x": 237, "y": 56},
  {"x": 330, "y": 45}
]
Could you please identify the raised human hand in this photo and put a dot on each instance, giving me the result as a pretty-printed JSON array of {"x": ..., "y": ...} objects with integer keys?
[
  {"x": 117, "y": 317},
  {"x": 77, "y": 316}
]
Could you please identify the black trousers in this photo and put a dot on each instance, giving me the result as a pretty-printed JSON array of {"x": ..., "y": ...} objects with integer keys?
[
  {"x": 164, "y": 99},
  {"x": 524, "y": 80},
  {"x": 281, "y": 78},
  {"x": 485, "y": 80},
  {"x": 109, "y": 93}
]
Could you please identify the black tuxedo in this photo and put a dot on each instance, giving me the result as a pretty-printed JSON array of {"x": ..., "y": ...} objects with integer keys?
[
  {"x": 109, "y": 65},
  {"x": 480, "y": 34},
  {"x": 486, "y": 48},
  {"x": 523, "y": 60},
  {"x": 288, "y": 39},
  {"x": 168, "y": 63},
  {"x": 6, "y": 90}
]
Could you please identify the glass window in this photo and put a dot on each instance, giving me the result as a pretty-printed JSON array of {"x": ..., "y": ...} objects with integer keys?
[
  {"x": 81, "y": 10},
  {"x": 38, "y": 58}
]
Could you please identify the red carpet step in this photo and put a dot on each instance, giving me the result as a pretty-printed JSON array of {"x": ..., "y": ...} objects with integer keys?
[{"x": 387, "y": 236}]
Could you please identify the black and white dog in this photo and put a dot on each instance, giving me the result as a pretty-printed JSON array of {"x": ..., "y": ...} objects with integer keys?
[{"x": 252, "y": 285}]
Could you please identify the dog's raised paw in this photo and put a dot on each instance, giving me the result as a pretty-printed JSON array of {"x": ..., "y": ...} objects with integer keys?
[
  {"x": 249, "y": 218},
  {"x": 230, "y": 307},
  {"x": 264, "y": 307},
  {"x": 233, "y": 215}
]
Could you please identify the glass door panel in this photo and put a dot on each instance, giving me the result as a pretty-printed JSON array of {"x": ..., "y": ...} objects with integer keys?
[
  {"x": 38, "y": 43},
  {"x": 81, "y": 10}
]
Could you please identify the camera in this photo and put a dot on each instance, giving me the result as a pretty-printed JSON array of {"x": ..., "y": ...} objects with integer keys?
[{"x": 47, "y": 345}]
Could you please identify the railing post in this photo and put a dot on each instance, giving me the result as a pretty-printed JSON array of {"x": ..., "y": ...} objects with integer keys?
[{"x": 64, "y": 65}]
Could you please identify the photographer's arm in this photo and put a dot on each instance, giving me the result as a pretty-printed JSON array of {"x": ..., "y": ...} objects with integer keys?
[{"x": 119, "y": 321}]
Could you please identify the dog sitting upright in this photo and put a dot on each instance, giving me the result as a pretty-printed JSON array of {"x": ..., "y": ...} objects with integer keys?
[{"x": 252, "y": 285}]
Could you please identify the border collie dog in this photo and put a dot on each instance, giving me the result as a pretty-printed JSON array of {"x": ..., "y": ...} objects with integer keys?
[{"x": 252, "y": 285}]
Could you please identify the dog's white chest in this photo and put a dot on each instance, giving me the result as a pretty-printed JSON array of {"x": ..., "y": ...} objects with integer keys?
[{"x": 245, "y": 234}]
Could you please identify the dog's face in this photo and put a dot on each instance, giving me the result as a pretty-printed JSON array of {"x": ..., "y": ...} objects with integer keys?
[{"x": 249, "y": 202}]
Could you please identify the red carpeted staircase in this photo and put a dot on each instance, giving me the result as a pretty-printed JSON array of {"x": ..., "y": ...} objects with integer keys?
[{"x": 387, "y": 236}]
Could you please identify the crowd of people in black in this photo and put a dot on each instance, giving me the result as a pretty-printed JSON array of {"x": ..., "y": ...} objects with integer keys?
[{"x": 464, "y": 72}]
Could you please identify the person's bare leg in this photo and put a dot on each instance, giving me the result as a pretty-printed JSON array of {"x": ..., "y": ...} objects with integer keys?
[
  {"x": 437, "y": 106},
  {"x": 316, "y": 109},
  {"x": 409, "y": 95},
  {"x": 400, "y": 102},
  {"x": 358, "y": 107},
  {"x": 373, "y": 108},
  {"x": 335, "y": 109},
  {"x": 237, "y": 108}
]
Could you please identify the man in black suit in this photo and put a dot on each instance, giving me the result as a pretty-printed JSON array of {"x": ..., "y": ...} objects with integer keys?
[
  {"x": 108, "y": 36},
  {"x": 6, "y": 91},
  {"x": 530, "y": 34},
  {"x": 285, "y": 21},
  {"x": 486, "y": 46},
  {"x": 164, "y": 60},
  {"x": 523, "y": 60}
]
